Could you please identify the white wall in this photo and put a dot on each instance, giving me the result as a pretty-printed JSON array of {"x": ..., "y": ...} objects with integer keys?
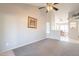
[{"x": 13, "y": 25}]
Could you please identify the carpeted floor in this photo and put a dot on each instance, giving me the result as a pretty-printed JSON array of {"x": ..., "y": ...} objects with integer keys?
[{"x": 48, "y": 47}]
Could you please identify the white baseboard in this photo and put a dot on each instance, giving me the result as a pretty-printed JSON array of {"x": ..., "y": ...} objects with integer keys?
[{"x": 20, "y": 45}]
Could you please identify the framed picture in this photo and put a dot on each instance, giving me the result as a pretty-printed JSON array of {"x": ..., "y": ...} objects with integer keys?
[{"x": 32, "y": 22}]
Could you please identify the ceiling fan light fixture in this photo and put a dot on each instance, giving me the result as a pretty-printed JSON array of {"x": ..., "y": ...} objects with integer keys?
[{"x": 49, "y": 7}]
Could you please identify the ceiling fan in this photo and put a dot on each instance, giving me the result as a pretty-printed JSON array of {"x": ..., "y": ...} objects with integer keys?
[{"x": 50, "y": 6}]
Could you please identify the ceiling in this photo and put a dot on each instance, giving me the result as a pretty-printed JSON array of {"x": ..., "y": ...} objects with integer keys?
[
  {"x": 62, "y": 6},
  {"x": 65, "y": 9}
]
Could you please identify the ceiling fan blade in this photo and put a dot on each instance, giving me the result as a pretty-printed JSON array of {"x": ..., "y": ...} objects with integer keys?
[
  {"x": 46, "y": 11},
  {"x": 56, "y": 3},
  {"x": 41, "y": 7},
  {"x": 55, "y": 8}
]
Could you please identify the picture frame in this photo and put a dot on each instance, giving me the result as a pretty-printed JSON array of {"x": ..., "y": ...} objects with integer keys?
[{"x": 32, "y": 22}]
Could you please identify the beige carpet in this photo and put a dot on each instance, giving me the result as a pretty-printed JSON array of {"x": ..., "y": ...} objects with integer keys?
[{"x": 48, "y": 47}]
